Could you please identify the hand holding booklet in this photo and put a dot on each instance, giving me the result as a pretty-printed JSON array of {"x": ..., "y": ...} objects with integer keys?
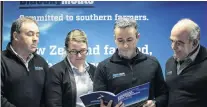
[{"x": 133, "y": 96}]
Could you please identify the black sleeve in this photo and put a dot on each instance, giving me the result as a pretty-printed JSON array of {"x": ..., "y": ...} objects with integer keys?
[
  {"x": 43, "y": 99},
  {"x": 53, "y": 90},
  {"x": 100, "y": 81},
  {"x": 92, "y": 71},
  {"x": 4, "y": 101},
  {"x": 161, "y": 91}
]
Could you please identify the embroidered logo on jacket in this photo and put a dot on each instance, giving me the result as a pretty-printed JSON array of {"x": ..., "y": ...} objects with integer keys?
[
  {"x": 169, "y": 73},
  {"x": 38, "y": 68},
  {"x": 118, "y": 75}
]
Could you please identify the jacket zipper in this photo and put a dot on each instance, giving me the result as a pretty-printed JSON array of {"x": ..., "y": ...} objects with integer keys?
[{"x": 131, "y": 68}]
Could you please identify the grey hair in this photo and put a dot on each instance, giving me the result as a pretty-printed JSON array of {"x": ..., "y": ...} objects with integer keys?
[
  {"x": 17, "y": 24},
  {"x": 125, "y": 22},
  {"x": 192, "y": 26}
]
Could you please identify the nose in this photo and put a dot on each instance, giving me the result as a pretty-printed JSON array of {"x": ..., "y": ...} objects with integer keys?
[
  {"x": 126, "y": 45},
  {"x": 35, "y": 38},
  {"x": 78, "y": 55},
  {"x": 173, "y": 45}
]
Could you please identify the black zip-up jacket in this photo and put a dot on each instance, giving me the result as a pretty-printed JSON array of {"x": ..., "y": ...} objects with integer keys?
[
  {"x": 61, "y": 86},
  {"x": 188, "y": 89},
  {"x": 20, "y": 87},
  {"x": 139, "y": 70}
]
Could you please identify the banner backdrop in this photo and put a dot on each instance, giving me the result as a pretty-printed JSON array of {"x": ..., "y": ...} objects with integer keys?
[{"x": 57, "y": 18}]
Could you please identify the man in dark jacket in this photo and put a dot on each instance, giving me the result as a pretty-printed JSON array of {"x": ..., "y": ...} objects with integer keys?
[
  {"x": 22, "y": 70},
  {"x": 128, "y": 67},
  {"x": 71, "y": 77},
  {"x": 186, "y": 71}
]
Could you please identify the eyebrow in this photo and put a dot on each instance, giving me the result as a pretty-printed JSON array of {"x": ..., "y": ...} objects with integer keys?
[
  {"x": 120, "y": 38},
  {"x": 181, "y": 41},
  {"x": 33, "y": 31},
  {"x": 126, "y": 38},
  {"x": 130, "y": 38},
  {"x": 178, "y": 41}
]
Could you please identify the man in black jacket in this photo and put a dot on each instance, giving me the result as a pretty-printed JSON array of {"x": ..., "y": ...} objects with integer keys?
[
  {"x": 128, "y": 67},
  {"x": 186, "y": 70},
  {"x": 22, "y": 70}
]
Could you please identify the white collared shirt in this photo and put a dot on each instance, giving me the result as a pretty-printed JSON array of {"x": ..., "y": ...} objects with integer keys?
[
  {"x": 84, "y": 84},
  {"x": 26, "y": 62},
  {"x": 187, "y": 61}
]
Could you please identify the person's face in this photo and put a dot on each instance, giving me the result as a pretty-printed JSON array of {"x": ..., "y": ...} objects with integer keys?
[
  {"x": 77, "y": 52},
  {"x": 126, "y": 41},
  {"x": 180, "y": 43},
  {"x": 28, "y": 37}
]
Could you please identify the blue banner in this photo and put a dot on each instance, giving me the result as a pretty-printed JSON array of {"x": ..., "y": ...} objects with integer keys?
[{"x": 96, "y": 18}]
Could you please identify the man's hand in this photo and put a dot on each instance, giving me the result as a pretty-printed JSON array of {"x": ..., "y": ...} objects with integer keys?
[
  {"x": 120, "y": 104},
  {"x": 150, "y": 103}
]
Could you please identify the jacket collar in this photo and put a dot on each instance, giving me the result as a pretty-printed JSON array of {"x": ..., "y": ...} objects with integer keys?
[
  {"x": 202, "y": 55},
  {"x": 8, "y": 48}
]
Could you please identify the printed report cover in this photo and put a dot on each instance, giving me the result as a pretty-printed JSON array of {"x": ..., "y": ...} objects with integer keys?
[{"x": 133, "y": 96}]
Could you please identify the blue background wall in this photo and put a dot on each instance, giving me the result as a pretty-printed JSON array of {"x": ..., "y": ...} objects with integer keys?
[{"x": 155, "y": 24}]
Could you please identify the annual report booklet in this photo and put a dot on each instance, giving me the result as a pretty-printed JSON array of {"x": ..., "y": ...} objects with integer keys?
[{"x": 133, "y": 96}]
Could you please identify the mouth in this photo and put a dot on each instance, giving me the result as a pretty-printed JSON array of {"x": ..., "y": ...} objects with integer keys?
[
  {"x": 124, "y": 50},
  {"x": 34, "y": 46},
  {"x": 176, "y": 52},
  {"x": 79, "y": 59},
  {"x": 177, "y": 56}
]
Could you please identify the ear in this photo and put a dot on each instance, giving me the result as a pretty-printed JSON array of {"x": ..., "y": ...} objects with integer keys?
[
  {"x": 115, "y": 38},
  {"x": 115, "y": 41},
  {"x": 137, "y": 35},
  {"x": 15, "y": 36},
  {"x": 195, "y": 43}
]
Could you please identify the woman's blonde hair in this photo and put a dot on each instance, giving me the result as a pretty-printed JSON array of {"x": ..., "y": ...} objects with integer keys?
[{"x": 76, "y": 35}]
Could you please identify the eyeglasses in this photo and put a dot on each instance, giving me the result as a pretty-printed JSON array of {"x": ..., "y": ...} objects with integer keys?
[{"x": 75, "y": 52}]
